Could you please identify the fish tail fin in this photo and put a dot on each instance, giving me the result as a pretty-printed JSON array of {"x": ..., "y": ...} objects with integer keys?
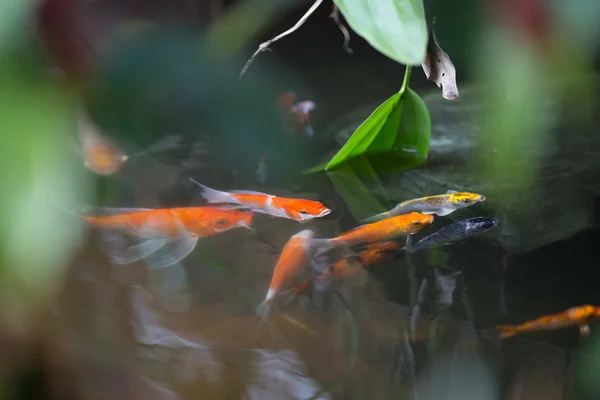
[
  {"x": 506, "y": 331},
  {"x": 263, "y": 309},
  {"x": 308, "y": 130},
  {"x": 213, "y": 195},
  {"x": 321, "y": 246},
  {"x": 377, "y": 217}
]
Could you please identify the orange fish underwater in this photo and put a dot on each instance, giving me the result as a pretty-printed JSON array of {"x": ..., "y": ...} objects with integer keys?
[
  {"x": 380, "y": 231},
  {"x": 177, "y": 228},
  {"x": 300, "y": 112},
  {"x": 300, "y": 210},
  {"x": 348, "y": 266},
  {"x": 580, "y": 315},
  {"x": 293, "y": 256}
]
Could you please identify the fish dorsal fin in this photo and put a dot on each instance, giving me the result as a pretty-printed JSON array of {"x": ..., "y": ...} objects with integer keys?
[
  {"x": 247, "y": 192},
  {"x": 107, "y": 211},
  {"x": 451, "y": 191}
]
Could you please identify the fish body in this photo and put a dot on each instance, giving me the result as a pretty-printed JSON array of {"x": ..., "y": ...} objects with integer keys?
[
  {"x": 169, "y": 222},
  {"x": 373, "y": 253},
  {"x": 100, "y": 154},
  {"x": 300, "y": 210},
  {"x": 442, "y": 204},
  {"x": 580, "y": 315},
  {"x": 380, "y": 231},
  {"x": 293, "y": 256},
  {"x": 454, "y": 233}
]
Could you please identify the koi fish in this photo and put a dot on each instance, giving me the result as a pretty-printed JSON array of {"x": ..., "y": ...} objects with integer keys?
[
  {"x": 579, "y": 315},
  {"x": 381, "y": 231},
  {"x": 293, "y": 256},
  {"x": 374, "y": 253},
  {"x": 100, "y": 154},
  {"x": 300, "y": 210},
  {"x": 103, "y": 156},
  {"x": 176, "y": 229},
  {"x": 453, "y": 233},
  {"x": 299, "y": 112},
  {"x": 441, "y": 204}
]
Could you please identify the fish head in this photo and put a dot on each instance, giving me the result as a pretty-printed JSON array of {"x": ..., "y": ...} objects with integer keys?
[
  {"x": 583, "y": 312},
  {"x": 481, "y": 224},
  {"x": 414, "y": 222},
  {"x": 464, "y": 199},
  {"x": 304, "y": 210},
  {"x": 104, "y": 159},
  {"x": 225, "y": 219}
]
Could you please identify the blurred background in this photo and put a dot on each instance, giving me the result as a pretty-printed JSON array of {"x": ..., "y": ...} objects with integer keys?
[{"x": 159, "y": 80}]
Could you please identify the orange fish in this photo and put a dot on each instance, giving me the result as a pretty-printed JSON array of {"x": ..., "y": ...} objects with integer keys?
[
  {"x": 348, "y": 266},
  {"x": 380, "y": 231},
  {"x": 103, "y": 156},
  {"x": 580, "y": 315},
  {"x": 300, "y": 210},
  {"x": 100, "y": 154},
  {"x": 177, "y": 228},
  {"x": 292, "y": 258},
  {"x": 301, "y": 113}
]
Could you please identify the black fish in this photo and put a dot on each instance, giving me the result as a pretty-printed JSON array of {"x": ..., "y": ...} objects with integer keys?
[{"x": 450, "y": 234}]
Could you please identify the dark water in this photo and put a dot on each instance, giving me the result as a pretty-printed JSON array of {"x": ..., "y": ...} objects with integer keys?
[{"x": 408, "y": 328}]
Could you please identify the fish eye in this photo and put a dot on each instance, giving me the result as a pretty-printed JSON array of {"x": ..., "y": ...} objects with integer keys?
[
  {"x": 221, "y": 221},
  {"x": 466, "y": 200},
  {"x": 303, "y": 212},
  {"x": 416, "y": 223}
]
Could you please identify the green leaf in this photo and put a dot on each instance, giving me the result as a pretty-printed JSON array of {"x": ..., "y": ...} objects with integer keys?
[
  {"x": 396, "y": 28},
  {"x": 365, "y": 134},
  {"x": 355, "y": 194}
]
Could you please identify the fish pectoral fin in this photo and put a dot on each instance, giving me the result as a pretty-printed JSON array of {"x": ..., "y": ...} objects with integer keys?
[
  {"x": 584, "y": 330},
  {"x": 175, "y": 249},
  {"x": 451, "y": 191},
  {"x": 445, "y": 211},
  {"x": 135, "y": 253}
]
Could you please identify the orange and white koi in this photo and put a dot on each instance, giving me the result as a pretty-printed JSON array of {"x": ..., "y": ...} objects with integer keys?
[
  {"x": 294, "y": 255},
  {"x": 381, "y": 231},
  {"x": 575, "y": 316},
  {"x": 301, "y": 113},
  {"x": 374, "y": 253},
  {"x": 177, "y": 228},
  {"x": 300, "y": 210},
  {"x": 441, "y": 204}
]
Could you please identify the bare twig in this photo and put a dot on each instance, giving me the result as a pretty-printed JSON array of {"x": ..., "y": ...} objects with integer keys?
[
  {"x": 335, "y": 15},
  {"x": 264, "y": 46}
]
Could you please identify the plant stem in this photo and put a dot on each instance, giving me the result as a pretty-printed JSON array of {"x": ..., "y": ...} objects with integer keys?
[{"x": 406, "y": 79}]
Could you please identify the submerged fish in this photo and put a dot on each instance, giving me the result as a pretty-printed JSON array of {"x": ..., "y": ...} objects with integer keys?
[
  {"x": 100, "y": 154},
  {"x": 442, "y": 204},
  {"x": 381, "y": 231},
  {"x": 580, "y": 315},
  {"x": 103, "y": 156},
  {"x": 177, "y": 229},
  {"x": 301, "y": 113},
  {"x": 292, "y": 258},
  {"x": 373, "y": 253},
  {"x": 453, "y": 233},
  {"x": 300, "y": 210},
  {"x": 261, "y": 172}
]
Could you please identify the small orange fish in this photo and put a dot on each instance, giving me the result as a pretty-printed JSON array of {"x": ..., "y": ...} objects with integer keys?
[
  {"x": 300, "y": 210},
  {"x": 301, "y": 113},
  {"x": 100, "y": 154},
  {"x": 292, "y": 258},
  {"x": 380, "y": 231},
  {"x": 580, "y": 315},
  {"x": 178, "y": 229},
  {"x": 349, "y": 265}
]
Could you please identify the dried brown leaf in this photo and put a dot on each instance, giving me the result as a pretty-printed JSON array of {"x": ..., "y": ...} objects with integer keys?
[{"x": 439, "y": 68}]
